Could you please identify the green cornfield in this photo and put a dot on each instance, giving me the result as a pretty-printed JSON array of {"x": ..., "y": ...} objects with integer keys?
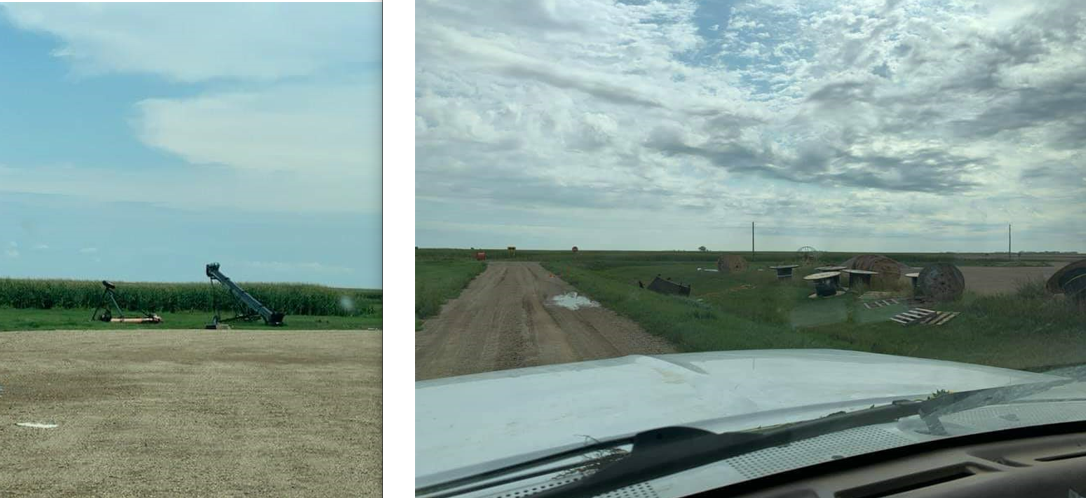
[{"x": 292, "y": 299}]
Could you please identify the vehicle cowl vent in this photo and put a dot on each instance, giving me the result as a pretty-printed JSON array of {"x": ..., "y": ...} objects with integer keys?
[
  {"x": 642, "y": 490},
  {"x": 911, "y": 482}
]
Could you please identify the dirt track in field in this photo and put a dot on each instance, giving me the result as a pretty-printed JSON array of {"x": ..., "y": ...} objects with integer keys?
[
  {"x": 990, "y": 280},
  {"x": 191, "y": 413},
  {"x": 505, "y": 319}
]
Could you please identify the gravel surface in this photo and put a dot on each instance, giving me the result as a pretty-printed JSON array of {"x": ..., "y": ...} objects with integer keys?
[
  {"x": 506, "y": 319},
  {"x": 1004, "y": 280},
  {"x": 191, "y": 413}
]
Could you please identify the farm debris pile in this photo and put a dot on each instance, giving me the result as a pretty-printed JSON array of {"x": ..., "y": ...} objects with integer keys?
[{"x": 573, "y": 301}]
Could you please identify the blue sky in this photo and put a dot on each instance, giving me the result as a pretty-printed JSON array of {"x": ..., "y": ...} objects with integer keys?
[
  {"x": 848, "y": 125},
  {"x": 141, "y": 141}
]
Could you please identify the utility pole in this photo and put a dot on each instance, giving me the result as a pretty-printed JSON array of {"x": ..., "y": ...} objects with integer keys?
[
  {"x": 752, "y": 240},
  {"x": 1009, "y": 241}
]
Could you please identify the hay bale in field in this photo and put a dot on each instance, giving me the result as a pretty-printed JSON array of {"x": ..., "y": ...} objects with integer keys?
[
  {"x": 889, "y": 270},
  {"x": 731, "y": 263}
]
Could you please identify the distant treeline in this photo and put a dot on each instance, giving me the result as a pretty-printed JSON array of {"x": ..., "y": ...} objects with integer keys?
[
  {"x": 292, "y": 299},
  {"x": 658, "y": 256},
  {"x": 702, "y": 257}
]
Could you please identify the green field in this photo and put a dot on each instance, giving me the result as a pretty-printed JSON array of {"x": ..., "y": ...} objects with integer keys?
[
  {"x": 53, "y": 304},
  {"x": 752, "y": 310},
  {"x": 79, "y": 319}
]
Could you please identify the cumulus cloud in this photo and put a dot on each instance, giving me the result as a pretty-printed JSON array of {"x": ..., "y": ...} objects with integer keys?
[
  {"x": 928, "y": 112},
  {"x": 315, "y": 128}
]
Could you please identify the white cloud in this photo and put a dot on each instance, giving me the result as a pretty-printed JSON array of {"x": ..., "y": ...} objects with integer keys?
[
  {"x": 312, "y": 128},
  {"x": 12, "y": 250},
  {"x": 41, "y": 247},
  {"x": 917, "y": 115},
  {"x": 199, "y": 42}
]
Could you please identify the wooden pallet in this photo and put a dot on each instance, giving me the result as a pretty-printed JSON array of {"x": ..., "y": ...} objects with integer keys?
[
  {"x": 879, "y": 304},
  {"x": 923, "y": 316},
  {"x": 941, "y": 317}
]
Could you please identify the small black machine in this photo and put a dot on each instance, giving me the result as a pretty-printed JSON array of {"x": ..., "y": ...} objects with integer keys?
[{"x": 108, "y": 298}]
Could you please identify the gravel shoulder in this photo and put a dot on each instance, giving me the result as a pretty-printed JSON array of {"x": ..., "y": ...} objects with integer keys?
[
  {"x": 191, "y": 413},
  {"x": 506, "y": 319}
]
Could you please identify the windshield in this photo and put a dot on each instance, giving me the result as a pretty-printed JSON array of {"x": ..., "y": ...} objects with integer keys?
[{"x": 733, "y": 215}]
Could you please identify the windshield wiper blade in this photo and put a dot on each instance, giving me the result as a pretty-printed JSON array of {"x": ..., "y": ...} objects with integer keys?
[
  {"x": 663, "y": 457},
  {"x": 654, "y": 455},
  {"x": 534, "y": 463}
]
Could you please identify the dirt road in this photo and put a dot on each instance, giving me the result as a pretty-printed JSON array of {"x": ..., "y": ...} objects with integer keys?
[
  {"x": 506, "y": 318},
  {"x": 191, "y": 413},
  {"x": 989, "y": 280}
]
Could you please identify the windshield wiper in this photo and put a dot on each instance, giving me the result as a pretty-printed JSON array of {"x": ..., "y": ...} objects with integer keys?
[
  {"x": 668, "y": 450},
  {"x": 661, "y": 457}
]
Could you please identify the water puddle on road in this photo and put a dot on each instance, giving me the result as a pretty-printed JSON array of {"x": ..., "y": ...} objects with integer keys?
[{"x": 572, "y": 301}]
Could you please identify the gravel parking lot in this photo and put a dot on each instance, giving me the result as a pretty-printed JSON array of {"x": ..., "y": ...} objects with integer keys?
[{"x": 191, "y": 413}]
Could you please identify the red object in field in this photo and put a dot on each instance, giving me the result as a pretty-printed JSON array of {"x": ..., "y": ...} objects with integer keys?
[
  {"x": 574, "y": 248},
  {"x": 480, "y": 255}
]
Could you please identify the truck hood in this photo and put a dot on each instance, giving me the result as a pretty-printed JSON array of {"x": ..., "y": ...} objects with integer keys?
[{"x": 471, "y": 423}]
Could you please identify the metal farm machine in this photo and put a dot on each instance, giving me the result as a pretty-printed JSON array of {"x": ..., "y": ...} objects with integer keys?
[{"x": 256, "y": 309}]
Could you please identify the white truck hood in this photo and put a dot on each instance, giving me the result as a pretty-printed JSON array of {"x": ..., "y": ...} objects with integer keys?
[{"x": 469, "y": 423}]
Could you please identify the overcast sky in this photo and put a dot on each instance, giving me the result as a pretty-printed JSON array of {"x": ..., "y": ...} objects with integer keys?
[
  {"x": 142, "y": 141},
  {"x": 844, "y": 125}
]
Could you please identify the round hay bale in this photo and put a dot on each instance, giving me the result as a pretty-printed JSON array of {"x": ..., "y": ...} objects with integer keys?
[
  {"x": 889, "y": 270},
  {"x": 731, "y": 263},
  {"x": 940, "y": 282}
]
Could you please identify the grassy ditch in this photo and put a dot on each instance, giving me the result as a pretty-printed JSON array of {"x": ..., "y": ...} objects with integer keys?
[{"x": 438, "y": 280}]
